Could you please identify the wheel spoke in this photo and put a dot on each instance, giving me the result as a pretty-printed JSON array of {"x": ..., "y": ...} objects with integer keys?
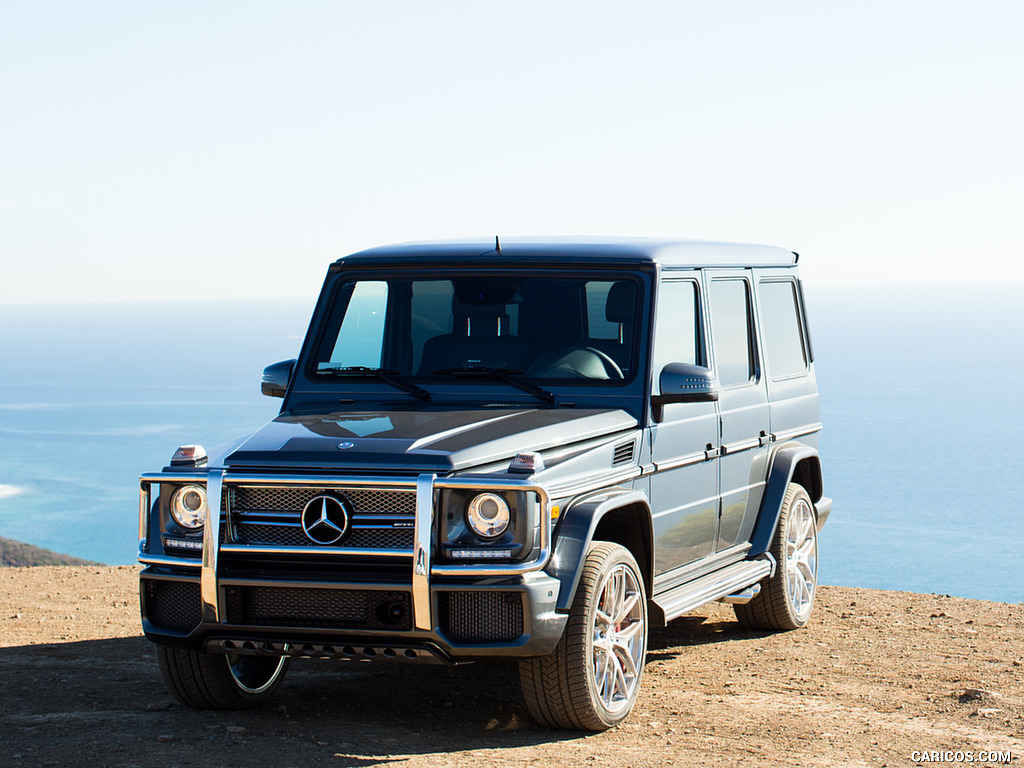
[
  {"x": 807, "y": 534},
  {"x": 627, "y": 608},
  {"x": 624, "y": 654},
  {"x": 806, "y": 550},
  {"x": 621, "y": 686},
  {"x": 620, "y": 594},
  {"x": 807, "y": 573},
  {"x": 629, "y": 633}
]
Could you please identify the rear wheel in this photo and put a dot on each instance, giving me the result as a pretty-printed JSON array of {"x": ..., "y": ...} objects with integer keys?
[
  {"x": 219, "y": 681},
  {"x": 592, "y": 678},
  {"x": 787, "y": 597}
]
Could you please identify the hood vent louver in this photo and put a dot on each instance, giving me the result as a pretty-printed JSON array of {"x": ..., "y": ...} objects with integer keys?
[{"x": 623, "y": 453}]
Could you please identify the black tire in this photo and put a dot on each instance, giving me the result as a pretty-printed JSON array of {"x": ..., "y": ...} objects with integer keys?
[
  {"x": 591, "y": 680},
  {"x": 787, "y": 597},
  {"x": 219, "y": 681}
]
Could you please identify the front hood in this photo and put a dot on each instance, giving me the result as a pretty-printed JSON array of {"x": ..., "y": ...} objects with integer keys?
[{"x": 439, "y": 441}]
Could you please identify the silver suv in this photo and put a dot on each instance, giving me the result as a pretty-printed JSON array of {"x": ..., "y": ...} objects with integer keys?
[{"x": 531, "y": 450}]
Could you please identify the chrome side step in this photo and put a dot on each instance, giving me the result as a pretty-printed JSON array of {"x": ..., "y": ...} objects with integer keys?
[
  {"x": 732, "y": 581},
  {"x": 742, "y": 597}
]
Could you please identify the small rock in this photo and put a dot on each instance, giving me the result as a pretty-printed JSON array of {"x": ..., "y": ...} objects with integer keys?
[
  {"x": 976, "y": 694},
  {"x": 987, "y": 712}
]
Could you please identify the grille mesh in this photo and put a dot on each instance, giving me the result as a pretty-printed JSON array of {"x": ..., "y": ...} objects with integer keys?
[
  {"x": 481, "y": 617},
  {"x": 365, "y": 501},
  {"x": 273, "y": 516},
  {"x": 318, "y": 608},
  {"x": 293, "y": 536},
  {"x": 173, "y": 605}
]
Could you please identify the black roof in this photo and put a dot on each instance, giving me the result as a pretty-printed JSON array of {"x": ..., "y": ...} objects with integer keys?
[{"x": 577, "y": 250}]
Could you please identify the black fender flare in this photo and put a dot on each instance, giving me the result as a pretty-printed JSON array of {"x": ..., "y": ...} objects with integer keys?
[
  {"x": 784, "y": 465},
  {"x": 576, "y": 530}
]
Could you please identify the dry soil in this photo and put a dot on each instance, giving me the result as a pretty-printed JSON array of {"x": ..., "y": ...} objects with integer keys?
[{"x": 875, "y": 680}]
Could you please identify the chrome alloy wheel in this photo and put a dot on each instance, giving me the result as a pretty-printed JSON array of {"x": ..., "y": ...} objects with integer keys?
[
  {"x": 801, "y": 565},
  {"x": 255, "y": 674},
  {"x": 619, "y": 638}
]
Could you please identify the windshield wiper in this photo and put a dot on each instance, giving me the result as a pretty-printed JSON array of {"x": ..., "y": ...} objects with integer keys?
[
  {"x": 388, "y": 377},
  {"x": 504, "y": 374}
]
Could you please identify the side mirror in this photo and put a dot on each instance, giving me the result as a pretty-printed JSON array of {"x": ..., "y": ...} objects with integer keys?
[
  {"x": 276, "y": 378},
  {"x": 684, "y": 383}
]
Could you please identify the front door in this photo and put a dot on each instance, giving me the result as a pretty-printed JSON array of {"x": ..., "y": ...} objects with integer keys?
[{"x": 684, "y": 443}]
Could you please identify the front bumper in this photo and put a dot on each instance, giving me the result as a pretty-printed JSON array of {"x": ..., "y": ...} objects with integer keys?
[
  {"x": 511, "y": 618},
  {"x": 419, "y": 610}
]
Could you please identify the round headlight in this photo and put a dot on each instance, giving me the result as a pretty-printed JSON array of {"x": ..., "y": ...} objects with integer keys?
[
  {"x": 188, "y": 506},
  {"x": 488, "y": 515}
]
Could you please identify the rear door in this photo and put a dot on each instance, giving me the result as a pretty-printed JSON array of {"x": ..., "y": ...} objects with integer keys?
[{"x": 743, "y": 403}]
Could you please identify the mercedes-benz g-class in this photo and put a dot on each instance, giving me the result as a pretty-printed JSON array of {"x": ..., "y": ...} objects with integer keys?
[{"x": 531, "y": 450}]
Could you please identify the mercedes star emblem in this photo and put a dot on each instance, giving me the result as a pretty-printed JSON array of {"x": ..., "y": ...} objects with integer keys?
[{"x": 325, "y": 519}]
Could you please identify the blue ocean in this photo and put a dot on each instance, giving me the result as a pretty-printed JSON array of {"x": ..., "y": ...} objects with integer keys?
[{"x": 921, "y": 400}]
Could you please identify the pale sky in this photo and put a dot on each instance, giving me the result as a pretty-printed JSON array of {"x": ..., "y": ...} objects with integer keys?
[{"x": 234, "y": 149}]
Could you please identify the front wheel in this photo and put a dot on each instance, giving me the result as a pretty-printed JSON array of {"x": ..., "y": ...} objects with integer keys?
[
  {"x": 219, "y": 681},
  {"x": 787, "y": 596},
  {"x": 592, "y": 678}
]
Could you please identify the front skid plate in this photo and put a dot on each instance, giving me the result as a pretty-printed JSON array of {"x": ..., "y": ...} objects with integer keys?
[{"x": 412, "y": 654}]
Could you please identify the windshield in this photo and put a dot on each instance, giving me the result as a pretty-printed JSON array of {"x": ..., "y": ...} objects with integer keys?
[{"x": 545, "y": 328}]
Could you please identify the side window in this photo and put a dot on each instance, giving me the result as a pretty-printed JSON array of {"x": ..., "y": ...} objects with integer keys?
[
  {"x": 731, "y": 331},
  {"x": 783, "y": 340},
  {"x": 361, "y": 336},
  {"x": 676, "y": 336}
]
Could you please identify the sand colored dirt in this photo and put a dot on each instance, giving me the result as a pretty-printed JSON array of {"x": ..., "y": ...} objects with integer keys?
[{"x": 875, "y": 678}]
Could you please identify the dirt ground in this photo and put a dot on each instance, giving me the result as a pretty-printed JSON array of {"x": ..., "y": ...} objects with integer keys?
[{"x": 875, "y": 678}]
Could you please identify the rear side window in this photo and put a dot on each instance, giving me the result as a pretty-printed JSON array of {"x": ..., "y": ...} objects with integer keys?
[
  {"x": 731, "y": 331},
  {"x": 783, "y": 338}
]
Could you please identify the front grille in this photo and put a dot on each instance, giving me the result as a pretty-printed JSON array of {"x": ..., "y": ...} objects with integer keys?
[
  {"x": 292, "y": 535},
  {"x": 382, "y": 518},
  {"x": 365, "y": 501},
  {"x": 318, "y": 608},
  {"x": 173, "y": 605},
  {"x": 481, "y": 617}
]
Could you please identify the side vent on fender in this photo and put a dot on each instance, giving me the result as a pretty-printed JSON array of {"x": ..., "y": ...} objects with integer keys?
[{"x": 623, "y": 453}]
